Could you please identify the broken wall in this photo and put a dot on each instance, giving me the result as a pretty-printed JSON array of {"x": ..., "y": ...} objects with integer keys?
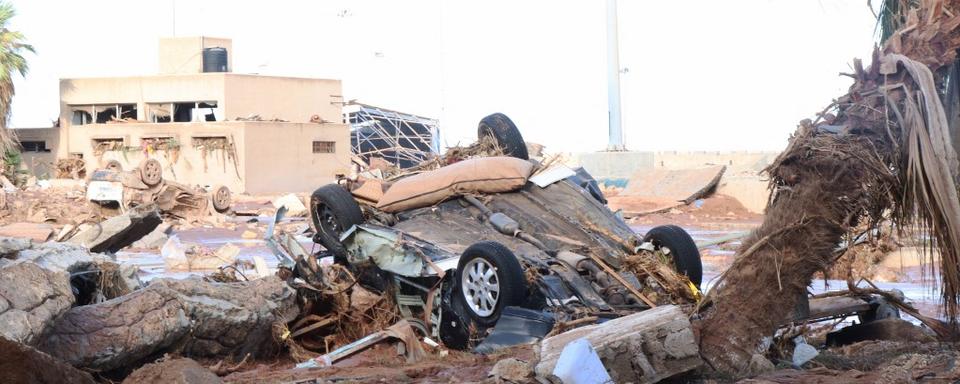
[{"x": 39, "y": 161}]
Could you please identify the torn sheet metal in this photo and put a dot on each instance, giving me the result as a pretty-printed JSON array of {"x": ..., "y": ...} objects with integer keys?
[{"x": 393, "y": 251}]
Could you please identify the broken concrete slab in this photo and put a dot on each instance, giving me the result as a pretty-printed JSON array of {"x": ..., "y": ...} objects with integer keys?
[
  {"x": 658, "y": 190},
  {"x": 20, "y": 363},
  {"x": 154, "y": 239},
  {"x": 10, "y": 247},
  {"x": 644, "y": 347},
  {"x": 177, "y": 371},
  {"x": 31, "y": 297},
  {"x": 62, "y": 257},
  {"x": 295, "y": 206},
  {"x": 34, "y": 231},
  {"x": 190, "y": 317},
  {"x": 118, "y": 232},
  {"x": 684, "y": 185}
]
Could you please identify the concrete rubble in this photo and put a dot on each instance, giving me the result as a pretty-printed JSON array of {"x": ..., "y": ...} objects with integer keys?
[
  {"x": 118, "y": 232},
  {"x": 645, "y": 347},
  {"x": 35, "y": 285}
]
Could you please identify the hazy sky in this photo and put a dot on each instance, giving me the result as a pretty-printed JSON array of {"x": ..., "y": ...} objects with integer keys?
[{"x": 700, "y": 75}]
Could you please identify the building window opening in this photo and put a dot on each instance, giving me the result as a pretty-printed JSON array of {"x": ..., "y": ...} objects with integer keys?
[
  {"x": 159, "y": 143},
  {"x": 209, "y": 143},
  {"x": 128, "y": 111},
  {"x": 159, "y": 113},
  {"x": 107, "y": 144},
  {"x": 34, "y": 146},
  {"x": 183, "y": 112},
  {"x": 81, "y": 118},
  {"x": 206, "y": 110},
  {"x": 106, "y": 114},
  {"x": 324, "y": 146}
]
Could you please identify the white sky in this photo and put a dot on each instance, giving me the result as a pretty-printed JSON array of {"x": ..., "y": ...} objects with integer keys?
[{"x": 702, "y": 75}]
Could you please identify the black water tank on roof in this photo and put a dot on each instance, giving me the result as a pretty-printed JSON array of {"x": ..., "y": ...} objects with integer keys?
[{"x": 215, "y": 59}]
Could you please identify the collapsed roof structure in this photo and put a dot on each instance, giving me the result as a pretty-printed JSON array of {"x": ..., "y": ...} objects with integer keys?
[{"x": 402, "y": 139}]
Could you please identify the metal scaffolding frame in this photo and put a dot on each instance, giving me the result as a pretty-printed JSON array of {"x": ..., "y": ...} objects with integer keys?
[{"x": 399, "y": 138}]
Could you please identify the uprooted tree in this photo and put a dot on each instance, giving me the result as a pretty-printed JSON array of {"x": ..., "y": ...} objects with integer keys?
[{"x": 881, "y": 152}]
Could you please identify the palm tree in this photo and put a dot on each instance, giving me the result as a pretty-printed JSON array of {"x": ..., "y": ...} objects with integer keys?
[
  {"x": 891, "y": 16},
  {"x": 12, "y": 49}
]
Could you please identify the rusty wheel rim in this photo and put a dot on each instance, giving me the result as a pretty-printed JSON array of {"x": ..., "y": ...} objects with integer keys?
[
  {"x": 151, "y": 172},
  {"x": 221, "y": 198}
]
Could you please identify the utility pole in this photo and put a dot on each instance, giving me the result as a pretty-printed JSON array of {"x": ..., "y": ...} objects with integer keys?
[{"x": 615, "y": 138}]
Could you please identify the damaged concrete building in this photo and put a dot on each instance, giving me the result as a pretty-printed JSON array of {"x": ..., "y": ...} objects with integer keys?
[{"x": 205, "y": 124}]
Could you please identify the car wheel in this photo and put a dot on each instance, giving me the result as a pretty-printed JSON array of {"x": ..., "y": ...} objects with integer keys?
[
  {"x": 151, "y": 172},
  {"x": 332, "y": 211},
  {"x": 505, "y": 134},
  {"x": 221, "y": 198},
  {"x": 686, "y": 256},
  {"x": 489, "y": 278},
  {"x": 114, "y": 165}
]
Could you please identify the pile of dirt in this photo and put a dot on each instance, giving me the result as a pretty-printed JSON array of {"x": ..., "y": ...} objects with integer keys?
[
  {"x": 876, "y": 362},
  {"x": 381, "y": 364},
  {"x": 22, "y": 364},
  {"x": 178, "y": 371},
  {"x": 717, "y": 211}
]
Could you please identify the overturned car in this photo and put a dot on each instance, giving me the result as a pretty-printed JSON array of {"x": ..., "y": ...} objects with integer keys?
[
  {"x": 469, "y": 244},
  {"x": 113, "y": 188}
]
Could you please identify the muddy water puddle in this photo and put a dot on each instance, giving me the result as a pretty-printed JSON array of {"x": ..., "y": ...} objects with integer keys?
[
  {"x": 916, "y": 285},
  {"x": 151, "y": 262}
]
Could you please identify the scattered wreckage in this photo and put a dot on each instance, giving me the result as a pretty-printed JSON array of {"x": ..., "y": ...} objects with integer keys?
[
  {"x": 112, "y": 187},
  {"x": 479, "y": 252}
]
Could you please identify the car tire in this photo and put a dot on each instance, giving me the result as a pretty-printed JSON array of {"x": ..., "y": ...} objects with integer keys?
[
  {"x": 476, "y": 286},
  {"x": 221, "y": 198},
  {"x": 114, "y": 165},
  {"x": 333, "y": 211},
  {"x": 505, "y": 133},
  {"x": 686, "y": 256},
  {"x": 151, "y": 171}
]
